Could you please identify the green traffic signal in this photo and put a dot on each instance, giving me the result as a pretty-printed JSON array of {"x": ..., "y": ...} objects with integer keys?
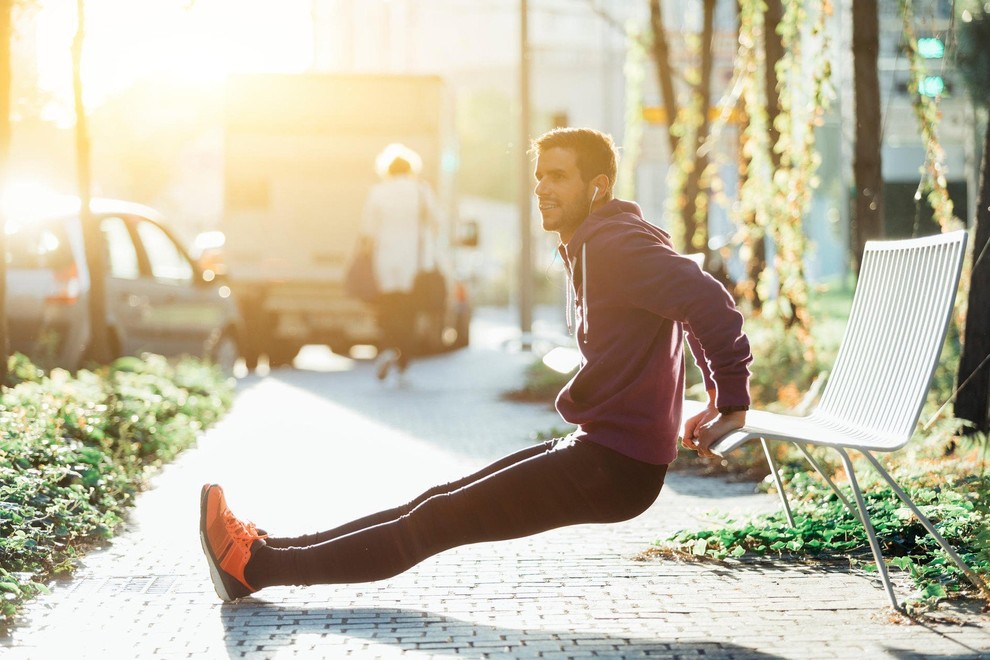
[
  {"x": 932, "y": 86},
  {"x": 931, "y": 48}
]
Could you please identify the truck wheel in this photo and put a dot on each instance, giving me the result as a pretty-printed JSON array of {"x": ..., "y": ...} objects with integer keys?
[
  {"x": 251, "y": 356},
  {"x": 253, "y": 329},
  {"x": 463, "y": 328},
  {"x": 340, "y": 348},
  {"x": 282, "y": 354}
]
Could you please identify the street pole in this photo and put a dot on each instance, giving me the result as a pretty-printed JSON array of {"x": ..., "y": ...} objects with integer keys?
[{"x": 525, "y": 200}]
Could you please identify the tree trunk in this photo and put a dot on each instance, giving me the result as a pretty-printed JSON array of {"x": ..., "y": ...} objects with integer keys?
[
  {"x": 98, "y": 349},
  {"x": 868, "y": 211},
  {"x": 661, "y": 55},
  {"x": 973, "y": 399},
  {"x": 6, "y": 16},
  {"x": 695, "y": 228}
]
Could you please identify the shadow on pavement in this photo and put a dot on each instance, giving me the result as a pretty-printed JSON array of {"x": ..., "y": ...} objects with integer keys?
[{"x": 258, "y": 627}]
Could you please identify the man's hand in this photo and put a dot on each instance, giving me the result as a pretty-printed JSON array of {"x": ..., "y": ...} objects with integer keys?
[
  {"x": 702, "y": 430},
  {"x": 692, "y": 425}
]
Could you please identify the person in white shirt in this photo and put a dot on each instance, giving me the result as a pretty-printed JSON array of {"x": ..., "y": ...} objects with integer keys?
[{"x": 400, "y": 227}]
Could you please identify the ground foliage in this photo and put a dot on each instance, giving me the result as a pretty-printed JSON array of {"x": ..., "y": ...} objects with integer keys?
[
  {"x": 944, "y": 474},
  {"x": 76, "y": 449}
]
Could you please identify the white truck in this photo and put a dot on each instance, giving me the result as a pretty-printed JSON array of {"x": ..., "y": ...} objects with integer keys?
[{"x": 299, "y": 160}]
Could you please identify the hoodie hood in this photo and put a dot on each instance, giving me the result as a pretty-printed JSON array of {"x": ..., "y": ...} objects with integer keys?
[
  {"x": 575, "y": 254},
  {"x": 611, "y": 211}
]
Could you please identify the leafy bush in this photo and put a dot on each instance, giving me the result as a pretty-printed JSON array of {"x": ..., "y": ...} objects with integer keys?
[
  {"x": 951, "y": 490},
  {"x": 75, "y": 450}
]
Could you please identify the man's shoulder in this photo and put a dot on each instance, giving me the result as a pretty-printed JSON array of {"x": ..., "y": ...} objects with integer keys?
[{"x": 628, "y": 231}]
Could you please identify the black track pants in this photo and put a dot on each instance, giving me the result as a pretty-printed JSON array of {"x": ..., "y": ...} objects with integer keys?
[{"x": 554, "y": 484}]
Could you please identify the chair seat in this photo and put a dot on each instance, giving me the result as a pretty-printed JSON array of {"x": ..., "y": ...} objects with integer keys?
[{"x": 814, "y": 429}]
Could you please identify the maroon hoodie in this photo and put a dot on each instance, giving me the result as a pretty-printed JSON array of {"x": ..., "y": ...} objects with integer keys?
[{"x": 634, "y": 299}]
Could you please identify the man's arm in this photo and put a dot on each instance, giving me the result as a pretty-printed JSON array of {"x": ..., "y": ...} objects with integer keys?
[{"x": 656, "y": 278}]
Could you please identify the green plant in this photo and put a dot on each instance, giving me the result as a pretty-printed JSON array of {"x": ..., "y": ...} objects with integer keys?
[
  {"x": 75, "y": 450},
  {"x": 946, "y": 490}
]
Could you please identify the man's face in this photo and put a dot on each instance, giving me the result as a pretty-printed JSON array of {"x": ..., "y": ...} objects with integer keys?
[{"x": 565, "y": 200}]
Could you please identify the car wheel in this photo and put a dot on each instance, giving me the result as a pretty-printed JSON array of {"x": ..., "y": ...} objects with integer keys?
[{"x": 225, "y": 353}]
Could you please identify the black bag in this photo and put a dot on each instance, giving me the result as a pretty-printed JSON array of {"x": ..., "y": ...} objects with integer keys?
[
  {"x": 430, "y": 291},
  {"x": 360, "y": 281}
]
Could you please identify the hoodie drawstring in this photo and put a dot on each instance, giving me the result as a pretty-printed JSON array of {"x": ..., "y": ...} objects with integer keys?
[
  {"x": 584, "y": 289},
  {"x": 572, "y": 303},
  {"x": 569, "y": 307}
]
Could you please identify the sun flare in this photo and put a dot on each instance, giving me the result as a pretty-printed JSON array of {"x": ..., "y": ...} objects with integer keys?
[{"x": 194, "y": 43}]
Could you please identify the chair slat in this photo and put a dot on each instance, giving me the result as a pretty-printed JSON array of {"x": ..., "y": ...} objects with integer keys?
[{"x": 896, "y": 328}]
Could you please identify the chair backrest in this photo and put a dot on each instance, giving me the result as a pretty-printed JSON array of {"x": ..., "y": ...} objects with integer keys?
[{"x": 899, "y": 318}]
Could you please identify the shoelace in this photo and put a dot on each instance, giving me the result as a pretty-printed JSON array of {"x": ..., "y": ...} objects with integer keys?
[{"x": 239, "y": 530}]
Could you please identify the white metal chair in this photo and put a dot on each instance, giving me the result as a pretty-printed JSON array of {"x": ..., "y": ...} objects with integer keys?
[{"x": 874, "y": 396}]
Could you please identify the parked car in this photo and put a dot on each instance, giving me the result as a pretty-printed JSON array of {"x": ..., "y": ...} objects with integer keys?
[{"x": 157, "y": 299}]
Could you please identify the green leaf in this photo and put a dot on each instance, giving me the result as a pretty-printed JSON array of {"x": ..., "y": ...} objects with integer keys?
[{"x": 903, "y": 563}]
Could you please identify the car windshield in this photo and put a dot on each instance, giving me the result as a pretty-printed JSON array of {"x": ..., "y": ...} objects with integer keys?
[{"x": 37, "y": 245}]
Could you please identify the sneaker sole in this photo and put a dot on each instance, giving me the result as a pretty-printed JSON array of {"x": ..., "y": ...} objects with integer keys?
[{"x": 215, "y": 576}]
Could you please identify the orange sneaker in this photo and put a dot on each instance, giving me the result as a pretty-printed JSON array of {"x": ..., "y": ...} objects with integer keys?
[
  {"x": 227, "y": 543},
  {"x": 222, "y": 505}
]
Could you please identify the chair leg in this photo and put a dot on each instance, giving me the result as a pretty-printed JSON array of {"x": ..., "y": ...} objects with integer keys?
[
  {"x": 818, "y": 468},
  {"x": 970, "y": 573},
  {"x": 868, "y": 526},
  {"x": 780, "y": 484}
]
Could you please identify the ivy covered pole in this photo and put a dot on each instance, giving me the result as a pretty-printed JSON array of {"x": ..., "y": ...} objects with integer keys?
[
  {"x": 973, "y": 398},
  {"x": 933, "y": 187},
  {"x": 775, "y": 191}
]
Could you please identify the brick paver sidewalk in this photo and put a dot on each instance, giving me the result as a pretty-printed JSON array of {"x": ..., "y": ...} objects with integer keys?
[{"x": 307, "y": 449}]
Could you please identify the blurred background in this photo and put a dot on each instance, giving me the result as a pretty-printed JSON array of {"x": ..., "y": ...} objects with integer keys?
[
  {"x": 748, "y": 130},
  {"x": 155, "y": 75}
]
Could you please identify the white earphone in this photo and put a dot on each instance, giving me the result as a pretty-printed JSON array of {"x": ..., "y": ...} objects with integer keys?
[{"x": 595, "y": 196}]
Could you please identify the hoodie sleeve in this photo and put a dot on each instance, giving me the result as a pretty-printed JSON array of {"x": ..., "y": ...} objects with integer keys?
[{"x": 648, "y": 273}]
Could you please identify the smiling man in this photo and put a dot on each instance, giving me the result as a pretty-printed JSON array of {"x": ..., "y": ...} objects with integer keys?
[{"x": 633, "y": 299}]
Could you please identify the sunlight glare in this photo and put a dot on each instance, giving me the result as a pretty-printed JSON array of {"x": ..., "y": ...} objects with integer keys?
[
  {"x": 25, "y": 201},
  {"x": 563, "y": 359},
  {"x": 199, "y": 44}
]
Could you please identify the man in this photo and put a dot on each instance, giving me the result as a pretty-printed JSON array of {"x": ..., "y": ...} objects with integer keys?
[{"x": 633, "y": 298}]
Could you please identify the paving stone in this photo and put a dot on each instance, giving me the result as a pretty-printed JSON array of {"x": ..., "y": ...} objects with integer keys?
[{"x": 329, "y": 443}]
